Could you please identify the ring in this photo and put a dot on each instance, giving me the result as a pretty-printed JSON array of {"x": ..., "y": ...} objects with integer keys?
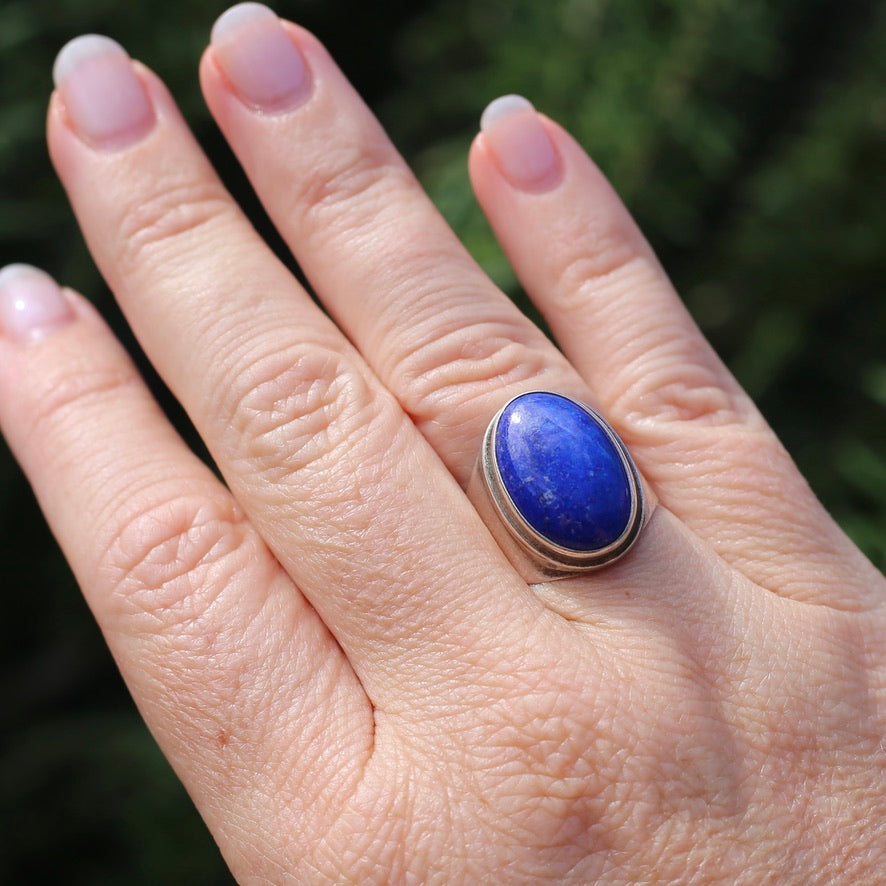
[{"x": 560, "y": 491}]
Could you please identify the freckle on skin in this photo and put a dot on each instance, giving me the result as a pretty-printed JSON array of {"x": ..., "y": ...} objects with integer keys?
[{"x": 222, "y": 738}]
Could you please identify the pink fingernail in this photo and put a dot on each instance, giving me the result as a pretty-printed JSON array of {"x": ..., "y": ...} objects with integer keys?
[
  {"x": 105, "y": 100},
  {"x": 521, "y": 146},
  {"x": 259, "y": 59},
  {"x": 31, "y": 304}
]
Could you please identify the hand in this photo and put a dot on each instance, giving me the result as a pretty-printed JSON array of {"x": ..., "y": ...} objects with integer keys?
[{"x": 351, "y": 679}]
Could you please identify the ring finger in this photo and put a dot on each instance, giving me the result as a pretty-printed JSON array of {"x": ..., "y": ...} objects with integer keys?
[
  {"x": 447, "y": 342},
  {"x": 391, "y": 272},
  {"x": 444, "y": 340}
]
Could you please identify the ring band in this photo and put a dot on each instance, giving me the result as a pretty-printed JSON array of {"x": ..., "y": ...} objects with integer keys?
[{"x": 558, "y": 487}]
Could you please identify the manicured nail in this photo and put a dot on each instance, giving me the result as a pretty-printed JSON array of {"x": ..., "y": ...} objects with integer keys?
[
  {"x": 260, "y": 61},
  {"x": 31, "y": 304},
  {"x": 105, "y": 100},
  {"x": 520, "y": 144}
]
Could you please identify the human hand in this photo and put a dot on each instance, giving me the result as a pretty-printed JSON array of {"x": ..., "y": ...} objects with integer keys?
[{"x": 349, "y": 677}]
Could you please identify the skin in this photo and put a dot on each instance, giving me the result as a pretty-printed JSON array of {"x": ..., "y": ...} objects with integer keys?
[{"x": 350, "y": 678}]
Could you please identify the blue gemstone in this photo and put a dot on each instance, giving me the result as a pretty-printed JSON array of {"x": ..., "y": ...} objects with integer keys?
[{"x": 562, "y": 471}]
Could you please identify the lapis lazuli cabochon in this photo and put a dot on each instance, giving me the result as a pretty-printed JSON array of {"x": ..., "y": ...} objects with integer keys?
[{"x": 563, "y": 472}]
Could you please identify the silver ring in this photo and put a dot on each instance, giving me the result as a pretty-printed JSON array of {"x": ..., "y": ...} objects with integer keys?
[{"x": 558, "y": 487}]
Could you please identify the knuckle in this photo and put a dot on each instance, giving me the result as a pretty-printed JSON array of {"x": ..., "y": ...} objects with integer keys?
[
  {"x": 351, "y": 183},
  {"x": 677, "y": 388},
  {"x": 168, "y": 216},
  {"x": 190, "y": 592},
  {"x": 59, "y": 400},
  {"x": 167, "y": 561},
  {"x": 538, "y": 749},
  {"x": 593, "y": 256},
  {"x": 298, "y": 406},
  {"x": 469, "y": 363}
]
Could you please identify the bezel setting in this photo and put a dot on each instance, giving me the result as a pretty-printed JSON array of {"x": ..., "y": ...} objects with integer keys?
[{"x": 548, "y": 554}]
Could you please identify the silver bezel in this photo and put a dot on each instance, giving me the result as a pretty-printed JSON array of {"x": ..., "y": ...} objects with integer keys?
[{"x": 547, "y": 553}]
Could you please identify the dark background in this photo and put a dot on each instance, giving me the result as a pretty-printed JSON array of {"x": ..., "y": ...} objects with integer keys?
[{"x": 748, "y": 137}]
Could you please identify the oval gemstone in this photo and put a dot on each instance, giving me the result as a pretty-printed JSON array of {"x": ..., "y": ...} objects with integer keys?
[{"x": 562, "y": 472}]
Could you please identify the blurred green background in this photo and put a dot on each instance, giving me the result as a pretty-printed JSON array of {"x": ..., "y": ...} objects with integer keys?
[{"x": 748, "y": 138}]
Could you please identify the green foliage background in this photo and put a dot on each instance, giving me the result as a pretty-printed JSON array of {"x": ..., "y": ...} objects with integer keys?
[{"x": 747, "y": 137}]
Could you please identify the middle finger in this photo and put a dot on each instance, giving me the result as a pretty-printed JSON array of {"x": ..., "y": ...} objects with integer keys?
[{"x": 339, "y": 483}]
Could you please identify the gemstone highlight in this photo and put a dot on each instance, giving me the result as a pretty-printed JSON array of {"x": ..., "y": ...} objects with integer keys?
[{"x": 563, "y": 472}]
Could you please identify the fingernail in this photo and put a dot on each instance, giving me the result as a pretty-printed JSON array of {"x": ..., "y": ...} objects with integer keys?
[
  {"x": 31, "y": 304},
  {"x": 105, "y": 100},
  {"x": 521, "y": 146},
  {"x": 262, "y": 64}
]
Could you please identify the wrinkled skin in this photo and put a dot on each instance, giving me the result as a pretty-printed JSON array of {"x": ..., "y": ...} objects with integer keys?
[{"x": 352, "y": 681}]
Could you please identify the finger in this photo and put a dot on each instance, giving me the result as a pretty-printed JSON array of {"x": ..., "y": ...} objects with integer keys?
[
  {"x": 439, "y": 334},
  {"x": 232, "y": 670},
  {"x": 443, "y": 339},
  {"x": 694, "y": 433},
  {"x": 338, "y": 482}
]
